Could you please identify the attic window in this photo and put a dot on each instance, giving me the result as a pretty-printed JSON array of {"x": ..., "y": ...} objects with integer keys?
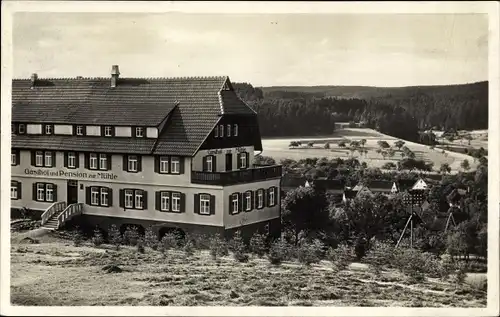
[
  {"x": 48, "y": 129},
  {"x": 221, "y": 130},
  {"x": 79, "y": 130},
  {"x": 139, "y": 132},
  {"x": 228, "y": 129},
  {"x": 108, "y": 131},
  {"x": 216, "y": 132},
  {"x": 21, "y": 129},
  {"x": 235, "y": 130}
]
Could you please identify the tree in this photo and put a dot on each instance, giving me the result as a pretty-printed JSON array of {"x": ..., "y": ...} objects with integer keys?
[
  {"x": 293, "y": 144},
  {"x": 327, "y": 145},
  {"x": 310, "y": 144},
  {"x": 391, "y": 152},
  {"x": 264, "y": 160},
  {"x": 383, "y": 144},
  {"x": 304, "y": 210},
  {"x": 445, "y": 168},
  {"x": 465, "y": 165},
  {"x": 399, "y": 144},
  {"x": 342, "y": 144},
  {"x": 363, "y": 142}
]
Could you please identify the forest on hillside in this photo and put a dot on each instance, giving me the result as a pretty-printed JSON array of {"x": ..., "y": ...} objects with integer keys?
[{"x": 400, "y": 112}]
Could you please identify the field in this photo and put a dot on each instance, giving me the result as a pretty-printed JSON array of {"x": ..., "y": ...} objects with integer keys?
[
  {"x": 54, "y": 272},
  {"x": 278, "y": 148}
]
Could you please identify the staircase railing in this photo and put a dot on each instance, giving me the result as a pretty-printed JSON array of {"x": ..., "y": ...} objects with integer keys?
[
  {"x": 68, "y": 213},
  {"x": 53, "y": 209}
]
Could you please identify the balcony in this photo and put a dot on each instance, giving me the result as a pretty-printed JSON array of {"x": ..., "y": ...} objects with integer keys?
[{"x": 255, "y": 174}]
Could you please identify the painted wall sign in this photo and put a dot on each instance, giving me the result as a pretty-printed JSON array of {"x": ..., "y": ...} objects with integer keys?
[
  {"x": 61, "y": 173},
  {"x": 240, "y": 149},
  {"x": 216, "y": 151}
]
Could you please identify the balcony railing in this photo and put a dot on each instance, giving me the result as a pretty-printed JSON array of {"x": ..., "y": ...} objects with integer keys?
[{"x": 253, "y": 174}]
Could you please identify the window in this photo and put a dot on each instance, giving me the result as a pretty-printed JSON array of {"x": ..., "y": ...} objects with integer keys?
[
  {"x": 129, "y": 202},
  {"x": 165, "y": 201},
  {"x": 13, "y": 158},
  {"x": 235, "y": 130},
  {"x": 228, "y": 129},
  {"x": 205, "y": 204},
  {"x": 40, "y": 192},
  {"x": 175, "y": 165},
  {"x": 93, "y": 161},
  {"x": 48, "y": 159},
  {"x": 163, "y": 164},
  {"x": 39, "y": 158},
  {"x": 272, "y": 196},
  {"x": 104, "y": 197},
  {"x": 243, "y": 160},
  {"x": 209, "y": 161},
  {"x": 45, "y": 192},
  {"x": 49, "y": 192},
  {"x": 21, "y": 129},
  {"x": 176, "y": 202},
  {"x": 139, "y": 132},
  {"x": 132, "y": 163},
  {"x": 221, "y": 130},
  {"x": 138, "y": 199},
  {"x": 48, "y": 129},
  {"x": 108, "y": 131},
  {"x": 71, "y": 160},
  {"x": 103, "y": 161},
  {"x": 14, "y": 190},
  {"x": 260, "y": 198},
  {"x": 235, "y": 203},
  {"x": 248, "y": 201},
  {"x": 79, "y": 130},
  {"x": 216, "y": 132},
  {"x": 94, "y": 196}
]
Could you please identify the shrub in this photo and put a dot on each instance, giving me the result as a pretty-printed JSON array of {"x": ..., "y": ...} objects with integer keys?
[
  {"x": 77, "y": 237},
  {"x": 381, "y": 254},
  {"x": 168, "y": 241},
  {"x": 131, "y": 235},
  {"x": 310, "y": 252},
  {"x": 200, "y": 241},
  {"x": 140, "y": 245},
  {"x": 237, "y": 246},
  {"x": 340, "y": 257},
  {"x": 258, "y": 244},
  {"x": 151, "y": 238},
  {"x": 360, "y": 246},
  {"x": 115, "y": 236},
  {"x": 188, "y": 247},
  {"x": 460, "y": 274},
  {"x": 98, "y": 238},
  {"x": 279, "y": 251},
  {"x": 218, "y": 247},
  {"x": 327, "y": 145}
]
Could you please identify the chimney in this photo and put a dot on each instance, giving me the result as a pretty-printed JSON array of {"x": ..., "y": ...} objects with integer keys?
[
  {"x": 115, "y": 73},
  {"x": 34, "y": 78}
]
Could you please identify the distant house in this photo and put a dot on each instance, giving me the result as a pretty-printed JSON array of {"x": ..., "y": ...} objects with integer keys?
[
  {"x": 333, "y": 188},
  {"x": 371, "y": 188},
  {"x": 290, "y": 181}
]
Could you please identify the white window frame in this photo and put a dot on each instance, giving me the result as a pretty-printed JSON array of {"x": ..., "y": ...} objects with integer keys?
[
  {"x": 13, "y": 190},
  {"x": 139, "y": 199},
  {"x": 40, "y": 192},
  {"x": 204, "y": 204},
  {"x": 104, "y": 199},
  {"x": 176, "y": 202},
  {"x": 21, "y": 129},
  {"x": 228, "y": 130},
  {"x": 235, "y": 203},
  {"x": 248, "y": 197},
  {"x": 260, "y": 198},
  {"x": 175, "y": 165},
  {"x": 103, "y": 161},
  {"x": 221, "y": 130},
  {"x": 235, "y": 130},
  {"x": 13, "y": 158},
  {"x": 71, "y": 159},
  {"x": 79, "y": 130},
  {"x": 93, "y": 161},
  {"x": 108, "y": 130},
  {"x": 48, "y": 129},
  {"x": 272, "y": 197},
  {"x": 209, "y": 161},
  {"x": 132, "y": 163},
  {"x": 243, "y": 160},
  {"x": 139, "y": 132},
  {"x": 39, "y": 158},
  {"x": 164, "y": 201},
  {"x": 164, "y": 162},
  {"x": 48, "y": 159},
  {"x": 94, "y": 196},
  {"x": 128, "y": 197},
  {"x": 216, "y": 132},
  {"x": 49, "y": 193}
]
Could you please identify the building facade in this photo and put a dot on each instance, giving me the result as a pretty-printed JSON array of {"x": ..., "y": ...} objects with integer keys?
[{"x": 172, "y": 153}]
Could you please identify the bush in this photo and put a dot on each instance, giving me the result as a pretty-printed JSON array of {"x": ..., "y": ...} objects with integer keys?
[
  {"x": 279, "y": 251},
  {"x": 151, "y": 238},
  {"x": 140, "y": 245},
  {"x": 327, "y": 145},
  {"x": 218, "y": 247},
  {"x": 169, "y": 241},
  {"x": 460, "y": 274},
  {"x": 131, "y": 235},
  {"x": 340, "y": 257},
  {"x": 200, "y": 241},
  {"x": 360, "y": 246},
  {"x": 237, "y": 246},
  {"x": 258, "y": 244},
  {"x": 382, "y": 254},
  {"x": 310, "y": 252},
  {"x": 188, "y": 247},
  {"x": 115, "y": 236},
  {"x": 77, "y": 237},
  {"x": 98, "y": 238}
]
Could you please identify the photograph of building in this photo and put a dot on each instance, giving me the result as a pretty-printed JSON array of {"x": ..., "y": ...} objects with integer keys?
[{"x": 176, "y": 153}]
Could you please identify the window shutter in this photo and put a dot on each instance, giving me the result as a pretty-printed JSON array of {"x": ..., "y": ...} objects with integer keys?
[
  {"x": 113, "y": 131},
  {"x": 181, "y": 165},
  {"x": 252, "y": 201},
  {"x": 244, "y": 201},
  {"x": 255, "y": 197},
  {"x": 139, "y": 163},
  {"x": 183, "y": 202},
  {"x": 145, "y": 199},
  {"x": 19, "y": 190},
  {"x": 34, "y": 191},
  {"x": 122, "y": 198},
  {"x": 169, "y": 201},
  {"x": 214, "y": 163},
  {"x": 77, "y": 160},
  {"x": 33, "y": 158},
  {"x": 110, "y": 196},
  {"x": 55, "y": 192},
  {"x": 53, "y": 154},
  {"x": 240, "y": 204},
  {"x": 197, "y": 203},
  {"x": 86, "y": 159},
  {"x": 125, "y": 162},
  {"x": 87, "y": 195},
  {"x": 204, "y": 164},
  {"x": 231, "y": 204},
  {"x": 18, "y": 157},
  {"x": 102, "y": 130},
  {"x": 157, "y": 166},
  {"x": 238, "y": 160},
  {"x": 158, "y": 201},
  {"x": 109, "y": 156},
  {"x": 247, "y": 159},
  {"x": 65, "y": 159},
  {"x": 212, "y": 204},
  {"x": 266, "y": 197}
]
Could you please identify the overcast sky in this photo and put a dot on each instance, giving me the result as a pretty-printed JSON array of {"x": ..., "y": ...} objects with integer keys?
[{"x": 264, "y": 50}]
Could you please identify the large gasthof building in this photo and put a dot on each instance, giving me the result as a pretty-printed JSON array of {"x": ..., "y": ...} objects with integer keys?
[{"x": 166, "y": 152}]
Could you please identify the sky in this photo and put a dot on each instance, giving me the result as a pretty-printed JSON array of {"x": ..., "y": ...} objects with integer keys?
[{"x": 262, "y": 49}]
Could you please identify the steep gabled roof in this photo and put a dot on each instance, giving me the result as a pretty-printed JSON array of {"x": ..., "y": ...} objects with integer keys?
[
  {"x": 290, "y": 180},
  {"x": 329, "y": 184},
  {"x": 404, "y": 184},
  {"x": 376, "y": 186}
]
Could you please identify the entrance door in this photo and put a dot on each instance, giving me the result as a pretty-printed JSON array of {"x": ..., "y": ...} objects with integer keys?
[
  {"x": 229, "y": 162},
  {"x": 72, "y": 192}
]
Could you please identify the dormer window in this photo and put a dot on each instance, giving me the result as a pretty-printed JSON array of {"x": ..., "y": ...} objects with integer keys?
[
  {"x": 216, "y": 132},
  {"x": 21, "y": 129},
  {"x": 221, "y": 130},
  {"x": 228, "y": 129},
  {"x": 235, "y": 130},
  {"x": 79, "y": 130},
  {"x": 108, "y": 131},
  {"x": 48, "y": 129},
  {"x": 139, "y": 132}
]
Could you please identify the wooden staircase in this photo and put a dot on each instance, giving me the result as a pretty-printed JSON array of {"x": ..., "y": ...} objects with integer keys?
[{"x": 58, "y": 213}]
